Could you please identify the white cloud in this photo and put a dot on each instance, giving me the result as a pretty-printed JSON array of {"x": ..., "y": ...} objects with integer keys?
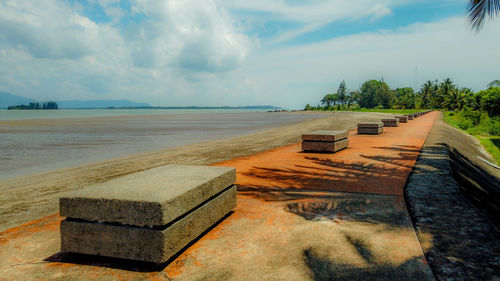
[
  {"x": 198, "y": 36},
  {"x": 35, "y": 27},
  {"x": 312, "y": 14},
  {"x": 442, "y": 49},
  {"x": 192, "y": 52},
  {"x": 380, "y": 11},
  {"x": 194, "y": 35}
]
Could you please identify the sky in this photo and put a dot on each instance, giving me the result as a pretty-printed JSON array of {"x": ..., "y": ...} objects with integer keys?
[{"x": 237, "y": 52}]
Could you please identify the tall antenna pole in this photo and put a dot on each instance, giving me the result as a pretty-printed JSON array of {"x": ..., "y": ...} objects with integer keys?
[{"x": 416, "y": 78}]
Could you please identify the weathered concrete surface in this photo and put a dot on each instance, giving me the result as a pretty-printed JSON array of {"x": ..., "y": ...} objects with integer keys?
[
  {"x": 322, "y": 146},
  {"x": 371, "y": 131},
  {"x": 410, "y": 116},
  {"x": 391, "y": 122},
  {"x": 300, "y": 216},
  {"x": 153, "y": 197},
  {"x": 328, "y": 136},
  {"x": 371, "y": 125},
  {"x": 463, "y": 243},
  {"x": 371, "y": 128},
  {"x": 142, "y": 243},
  {"x": 402, "y": 119}
]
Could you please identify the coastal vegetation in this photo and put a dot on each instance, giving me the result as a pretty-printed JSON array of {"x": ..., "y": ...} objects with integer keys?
[
  {"x": 477, "y": 113},
  {"x": 35, "y": 106}
]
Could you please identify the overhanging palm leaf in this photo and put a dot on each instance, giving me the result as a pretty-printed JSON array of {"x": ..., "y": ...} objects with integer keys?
[{"x": 478, "y": 9}]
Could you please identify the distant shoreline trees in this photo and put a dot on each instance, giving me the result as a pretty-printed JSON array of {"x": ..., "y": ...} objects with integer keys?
[
  {"x": 376, "y": 94},
  {"x": 35, "y": 106}
]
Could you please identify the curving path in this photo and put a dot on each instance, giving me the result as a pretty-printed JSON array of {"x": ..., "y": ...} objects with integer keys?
[{"x": 300, "y": 216}]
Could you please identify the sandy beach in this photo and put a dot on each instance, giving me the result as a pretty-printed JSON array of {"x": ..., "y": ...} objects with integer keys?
[
  {"x": 33, "y": 196},
  {"x": 30, "y": 146}
]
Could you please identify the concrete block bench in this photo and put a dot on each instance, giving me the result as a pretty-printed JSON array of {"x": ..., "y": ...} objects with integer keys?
[
  {"x": 393, "y": 122},
  {"x": 372, "y": 128},
  {"x": 147, "y": 216},
  {"x": 410, "y": 116},
  {"x": 324, "y": 141},
  {"x": 402, "y": 119}
]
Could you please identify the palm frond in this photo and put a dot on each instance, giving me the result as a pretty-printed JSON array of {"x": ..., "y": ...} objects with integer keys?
[{"x": 479, "y": 9}]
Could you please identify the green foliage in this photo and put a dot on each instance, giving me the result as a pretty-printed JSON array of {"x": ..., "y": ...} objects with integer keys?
[
  {"x": 494, "y": 83},
  {"x": 376, "y": 94},
  {"x": 405, "y": 98},
  {"x": 342, "y": 93},
  {"x": 473, "y": 109},
  {"x": 490, "y": 101},
  {"x": 428, "y": 93},
  {"x": 391, "y": 110},
  {"x": 480, "y": 125},
  {"x": 492, "y": 145},
  {"x": 474, "y": 122}
]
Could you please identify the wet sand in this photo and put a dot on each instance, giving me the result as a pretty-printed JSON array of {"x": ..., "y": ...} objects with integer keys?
[
  {"x": 41, "y": 145},
  {"x": 30, "y": 197}
]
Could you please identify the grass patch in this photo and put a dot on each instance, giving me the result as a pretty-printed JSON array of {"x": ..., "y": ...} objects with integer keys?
[
  {"x": 481, "y": 126},
  {"x": 492, "y": 145}
]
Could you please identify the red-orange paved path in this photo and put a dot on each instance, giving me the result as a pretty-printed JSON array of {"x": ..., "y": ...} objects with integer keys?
[{"x": 300, "y": 216}]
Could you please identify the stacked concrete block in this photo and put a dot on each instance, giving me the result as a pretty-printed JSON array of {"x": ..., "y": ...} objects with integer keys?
[
  {"x": 373, "y": 128},
  {"x": 392, "y": 122},
  {"x": 325, "y": 141},
  {"x": 147, "y": 216},
  {"x": 402, "y": 119},
  {"x": 410, "y": 116}
]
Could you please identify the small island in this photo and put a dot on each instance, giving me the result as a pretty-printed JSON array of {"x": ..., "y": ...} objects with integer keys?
[{"x": 35, "y": 106}]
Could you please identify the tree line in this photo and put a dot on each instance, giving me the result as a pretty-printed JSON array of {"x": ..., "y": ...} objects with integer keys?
[
  {"x": 443, "y": 95},
  {"x": 35, "y": 106}
]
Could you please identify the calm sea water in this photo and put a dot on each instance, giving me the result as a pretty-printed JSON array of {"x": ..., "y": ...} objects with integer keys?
[
  {"x": 76, "y": 113},
  {"x": 40, "y": 141}
]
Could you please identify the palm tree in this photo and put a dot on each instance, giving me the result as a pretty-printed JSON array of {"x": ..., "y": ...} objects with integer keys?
[
  {"x": 446, "y": 88},
  {"x": 478, "y": 9},
  {"x": 428, "y": 92},
  {"x": 455, "y": 100}
]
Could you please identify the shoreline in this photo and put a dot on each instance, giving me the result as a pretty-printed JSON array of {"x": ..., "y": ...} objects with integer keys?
[
  {"x": 34, "y": 196},
  {"x": 41, "y": 145}
]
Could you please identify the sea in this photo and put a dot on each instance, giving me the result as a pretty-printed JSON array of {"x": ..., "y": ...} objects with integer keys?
[{"x": 44, "y": 140}]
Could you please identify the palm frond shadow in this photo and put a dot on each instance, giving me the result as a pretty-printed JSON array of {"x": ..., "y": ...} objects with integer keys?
[
  {"x": 323, "y": 268},
  {"x": 327, "y": 174}
]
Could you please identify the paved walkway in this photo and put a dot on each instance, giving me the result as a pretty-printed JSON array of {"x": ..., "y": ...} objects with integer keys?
[{"x": 300, "y": 216}]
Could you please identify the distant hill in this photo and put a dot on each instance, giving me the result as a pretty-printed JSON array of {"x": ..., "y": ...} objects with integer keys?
[
  {"x": 75, "y": 104},
  {"x": 7, "y": 100}
]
